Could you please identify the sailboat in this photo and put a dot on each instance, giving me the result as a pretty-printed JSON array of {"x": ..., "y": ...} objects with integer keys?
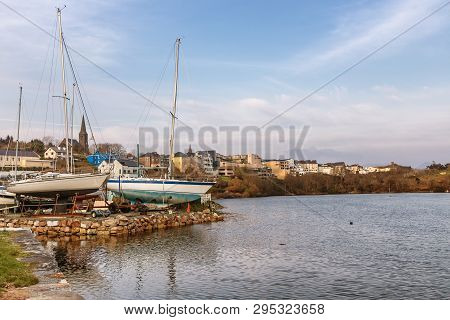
[
  {"x": 162, "y": 191},
  {"x": 6, "y": 198},
  {"x": 55, "y": 184}
]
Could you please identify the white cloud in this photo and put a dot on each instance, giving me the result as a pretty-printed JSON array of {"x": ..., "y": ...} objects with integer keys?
[{"x": 252, "y": 103}]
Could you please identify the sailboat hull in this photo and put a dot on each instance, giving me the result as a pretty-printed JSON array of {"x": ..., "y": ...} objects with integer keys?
[
  {"x": 159, "y": 191},
  {"x": 63, "y": 186}
]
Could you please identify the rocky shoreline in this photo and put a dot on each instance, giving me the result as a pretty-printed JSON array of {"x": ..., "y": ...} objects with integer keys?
[
  {"x": 52, "y": 284},
  {"x": 84, "y": 227}
]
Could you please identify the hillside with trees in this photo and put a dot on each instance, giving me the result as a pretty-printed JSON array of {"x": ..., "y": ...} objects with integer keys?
[{"x": 246, "y": 185}]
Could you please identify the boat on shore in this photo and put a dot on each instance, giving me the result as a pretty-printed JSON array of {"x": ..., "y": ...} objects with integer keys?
[
  {"x": 159, "y": 191},
  {"x": 6, "y": 198},
  {"x": 62, "y": 185},
  {"x": 58, "y": 185},
  {"x": 162, "y": 191}
]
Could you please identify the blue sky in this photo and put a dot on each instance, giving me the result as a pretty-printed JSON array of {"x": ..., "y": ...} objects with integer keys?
[{"x": 242, "y": 63}]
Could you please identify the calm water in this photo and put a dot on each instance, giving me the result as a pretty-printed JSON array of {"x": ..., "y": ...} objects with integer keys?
[{"x": 279, "y": 248}]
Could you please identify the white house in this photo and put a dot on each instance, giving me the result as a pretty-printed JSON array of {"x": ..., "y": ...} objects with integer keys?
[
  {"x": 54, "y": 153},
  {"x": 122, "y": 167}
]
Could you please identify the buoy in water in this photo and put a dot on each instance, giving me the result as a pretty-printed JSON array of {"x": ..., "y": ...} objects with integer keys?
[{"x": 351, "y": 223}]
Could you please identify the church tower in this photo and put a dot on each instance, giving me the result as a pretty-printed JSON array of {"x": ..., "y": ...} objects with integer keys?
[{"x": 83, "y": 138}]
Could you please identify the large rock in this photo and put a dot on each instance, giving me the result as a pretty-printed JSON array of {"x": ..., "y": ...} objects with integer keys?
[
  {"x": 52, "y": 223},
  {"x": 95, "y": 225},
  {"x": 75, "y": 230},
  {"x": 52, "y": 233},
  {"x": 76, "y": 223},
  {"x": 110, "y": 222},
  {"x": 86, "y": 224}
]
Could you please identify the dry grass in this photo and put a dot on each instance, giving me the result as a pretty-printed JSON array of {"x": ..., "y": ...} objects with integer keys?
[{"x": 12, "y": 271}]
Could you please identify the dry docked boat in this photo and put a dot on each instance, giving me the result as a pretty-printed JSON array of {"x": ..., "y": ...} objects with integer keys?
[
  {"x": 54, "y": 185},
  {"x": 165, "y": 191},
  {"x": 63, "y": 185},
  {"x": 6, "y": 198}
]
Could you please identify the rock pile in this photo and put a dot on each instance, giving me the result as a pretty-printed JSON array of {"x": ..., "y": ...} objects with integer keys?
[{"x": 111, "y": 226}]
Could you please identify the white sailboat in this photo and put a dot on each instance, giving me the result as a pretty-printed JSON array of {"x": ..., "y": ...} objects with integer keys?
[
  {"x": 6, "y": 198},
  {"x": 55, "y": 184},
  {"x": 163, "y": 191}
]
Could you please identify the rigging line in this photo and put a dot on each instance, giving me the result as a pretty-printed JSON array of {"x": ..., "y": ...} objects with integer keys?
[
  {"x": 50, "y": 79},
  {"x": 146, "y": 111},
  {"x": 39, "y": 88},
  {"x": 6, "y": 154},
  {"x": 156, "y": 88},
  {"x": 92, "y": 62},
  {"x": 351, "y": 67},
  {"x": 81, "y": 88},
  {"x": 79, "y": 92}
]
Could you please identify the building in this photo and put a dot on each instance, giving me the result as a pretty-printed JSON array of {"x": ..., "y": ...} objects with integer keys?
[
  {"x": 25, "y": 159},
  {"x": 308, "y": 166},
  {"x": 355, "y": 169},
  {"x": 207, "y": 161},
  {"x": 54, "y": 153},
  {"x": 121, "y": 167},
  {"x": 150, "y": 160},
  {"x": 281, "y": 168},
  {"x": 325, "y": 169},
  {"x": 182, "y": 162},
  {"x": 339, "y": 168},
  {"x": 263, "y": 172},
  {"x": 254, "y": 160},
  {"x": 74, "y": 143},
  {"x": 226, "y": 169},
  {"x": 83, "y": 138}
]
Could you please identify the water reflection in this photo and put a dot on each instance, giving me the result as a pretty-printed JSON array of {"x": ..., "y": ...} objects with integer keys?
[{"x": 395, "y": 249}]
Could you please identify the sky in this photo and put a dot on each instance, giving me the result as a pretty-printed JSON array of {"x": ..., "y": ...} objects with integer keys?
[{"x": 242, "y": 63}]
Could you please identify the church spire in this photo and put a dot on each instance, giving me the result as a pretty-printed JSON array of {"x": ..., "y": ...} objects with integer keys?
[
  {"x": 83, "y": 137},
  {"x": 83, "y": 126}
]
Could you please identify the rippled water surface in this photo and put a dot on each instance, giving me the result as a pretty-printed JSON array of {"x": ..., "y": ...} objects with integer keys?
[{"x": 279, "y": 248}]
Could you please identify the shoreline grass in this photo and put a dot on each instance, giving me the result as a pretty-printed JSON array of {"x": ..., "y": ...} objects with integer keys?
[{"x": 12, "y": 271}]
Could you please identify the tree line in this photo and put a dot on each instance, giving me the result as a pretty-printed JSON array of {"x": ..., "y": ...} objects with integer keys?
[{"x": 245, "y": 185}]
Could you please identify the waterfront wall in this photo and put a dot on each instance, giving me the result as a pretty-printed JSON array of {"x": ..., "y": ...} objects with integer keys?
[{"x": 111, "y": 226}]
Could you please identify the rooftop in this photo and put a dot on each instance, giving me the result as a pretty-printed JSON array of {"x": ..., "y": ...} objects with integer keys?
[{"x": 21, "y": 153}]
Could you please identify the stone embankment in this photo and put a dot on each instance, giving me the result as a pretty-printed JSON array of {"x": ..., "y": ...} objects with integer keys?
[{"x": 110, "y": 226}]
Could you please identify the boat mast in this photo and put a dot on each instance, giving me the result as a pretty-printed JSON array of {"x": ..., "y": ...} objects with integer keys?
[
  {"x": 63, "y": 75},
  {"x": 18, "y": 132},
  {"x": 72, "y": 163},
  {"x": 174, "y": 110}
]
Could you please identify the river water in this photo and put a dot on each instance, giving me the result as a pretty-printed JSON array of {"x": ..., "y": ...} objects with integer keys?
[{"x": 397, "y": 247}]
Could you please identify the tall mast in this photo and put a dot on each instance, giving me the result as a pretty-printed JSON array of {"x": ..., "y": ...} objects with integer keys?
[
  {"x": 72, "y": 170},
  {"x": 174, "y": 110},
  {"x": 18, "y": 132},
  {"x": 64, "y": 96}
]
